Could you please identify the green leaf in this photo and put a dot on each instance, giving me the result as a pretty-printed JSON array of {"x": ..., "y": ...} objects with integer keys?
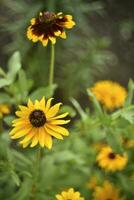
[
  {"x": 2, "y": 73},
  {"x": 15, "y": 178},
  {"x": 14, "y": 65},
  {"x": 43, "y": 91},
  {"x": 8, "y": 120},
  {"x": 130, "y": 93}
]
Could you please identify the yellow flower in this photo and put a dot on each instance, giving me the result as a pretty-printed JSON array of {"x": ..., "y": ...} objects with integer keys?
[
  {"x": 111, "y": 161},
  {"x": 92, "y": 182},
  {"x": 128, "y": 143},
  {"x": 48, "y": 25},
  {"x": 110, "y": 94},
  {"x": 38, "y": 122},
  {"x": 69, "y": 195},
  {"x": 4, "y": 109},
  {"x": 107, "y": 192}
]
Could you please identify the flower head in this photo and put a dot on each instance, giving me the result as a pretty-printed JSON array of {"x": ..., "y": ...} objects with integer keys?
[
  {"x": 92, "y": 182},
  {"x": 48, "y": 25},
  {"x": 38, "y": 122},
  {"x": 69, "y": 195},
  {"x": 111, "y": 94},
  {"x": 4, "y": 109},
  {"x": 111, "y": 161},
  {"x": 107, "y": 192}
]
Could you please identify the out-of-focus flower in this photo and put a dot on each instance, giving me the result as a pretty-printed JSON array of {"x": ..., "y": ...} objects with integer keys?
[
  {"x": 4, "y": 110},
  {"x": 111, "y": 161},
  {"x": 48, "y": 25},
  {"x": 128, "y": 143},
  {"x": 107, "y": 192},
  {"x": 38, "y": 122},
  {"x": 110, "y": 94},
  {"x": 92, "y": 183},
  {"x": 69, "y": 195},
  {"x": 98, "y": 146}
]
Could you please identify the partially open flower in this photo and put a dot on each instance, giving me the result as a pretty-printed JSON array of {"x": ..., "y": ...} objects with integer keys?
[
  {"x": 48, "y": 25},
  {"x": 38, "y": 122},
  {"x": 69, "y": 195}
]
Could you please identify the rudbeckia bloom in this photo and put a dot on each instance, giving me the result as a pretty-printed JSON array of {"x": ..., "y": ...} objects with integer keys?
[
  {"x": 48, "y": 25},
  {"x": 4, "y": 109},
  {"x": 92, "y": 182},
  {"x": 111, "y": 161},
  {"x": 110, "y": 94},
  {"x": 38, "y": 122},
  {"x": 107, "y": 192},
  {"x": 69, "y": 195}
]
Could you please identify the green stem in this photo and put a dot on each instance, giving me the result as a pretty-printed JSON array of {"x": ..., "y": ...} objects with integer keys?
[
  {"x": 51, "y": 72},
  {"x": 36, "y": 174}
]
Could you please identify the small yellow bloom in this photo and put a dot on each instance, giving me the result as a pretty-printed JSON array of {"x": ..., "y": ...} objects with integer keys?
[
  {"x": 92, "y": 183},
  {"x": 4, "y": 109},
  {"x": 110, "y": 94},
  {"x": 111, "y": 161},
  {"x": 107, "y": 192},
  {"x": 48, "y": 25},
  {"x": 69, "y": 195},
  {"x": 38, "y": 122},
  {"x": 128, "y": 143}
]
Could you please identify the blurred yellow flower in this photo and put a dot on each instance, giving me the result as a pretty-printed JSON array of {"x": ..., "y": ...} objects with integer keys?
[
  {"x": 107, "y": 192},
  {"x": 4, "y": 109},
  {"x": 111, "y": 161},
  {"x": 128, "y": 143},
  {"x": 48, "y": 25},
  {"x": 92, "y": 183},
  {"x": 69, "y": 195},
  {"x": 110, "y": 94},
  {"x": 38, "y": 122}
]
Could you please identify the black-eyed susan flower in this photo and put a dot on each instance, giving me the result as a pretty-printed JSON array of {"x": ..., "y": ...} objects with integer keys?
[
  {"x": 111, "y": 161},
  {"x": 48, "y": 25},
  {"x": 69, "y": 195},
  {"x": 107, "y": 192},
  {"x": 4, "y": 110},
  {"x": 110, "y": 94},
  {"x": 38, "y": 122}
]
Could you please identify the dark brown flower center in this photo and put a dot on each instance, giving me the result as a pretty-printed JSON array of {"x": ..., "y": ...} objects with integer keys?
[
  {"x": 46, "y": 17},
  {"x": 37, "y": 118},
  {"x": 112, "y": 155}
]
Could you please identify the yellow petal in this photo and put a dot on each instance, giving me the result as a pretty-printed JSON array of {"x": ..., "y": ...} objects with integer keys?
[
  {"x": 60, "y": 116},
  {"x": 30, "y": 104},
  {"x": 59, "y": 122},
  {"x": 21, "y": 133},
  {"x": 37, "y": 104},
  {"x": 28, "y": 137},
  {"x": 33, "y": 21},
  {"x": 69, "y": 17},
  {"x": 59, "y": 129},
  {"x": 42, "y": 103},
  {"x": 48, "y": 141},
  {"x": 53, "y": 133},
  {"x": 52, "y": 39},
  {"x": 63, "y": 35},
  {"x": 35, "y": 140},
  {"x": 57, "y": 33},
  {"x": 41, "y": 136},
  {"x": 26, "y": 144},
  {"x": 44, "y": 42},
  {"x": 53, "y": 110},
  {"x": 48, "y": 104}
]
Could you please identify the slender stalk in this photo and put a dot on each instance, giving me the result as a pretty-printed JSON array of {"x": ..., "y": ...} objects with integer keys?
[
  {"x": 36, "y": 174},
  {"x": 51, "y": 72}
]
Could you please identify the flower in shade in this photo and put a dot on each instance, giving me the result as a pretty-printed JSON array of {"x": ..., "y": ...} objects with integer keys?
[
  {"x": 4, "y": 109},
  {"x": 110, "y": 94},
  {"x": 107, "y": 192},
  {"x": 92, "y": 182},
  {"x": 48, "y": 25},
  {"x": 111, "y": 161},
  {"x": 69, "y": 195},
  {"x": 38, "y": 123}
]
